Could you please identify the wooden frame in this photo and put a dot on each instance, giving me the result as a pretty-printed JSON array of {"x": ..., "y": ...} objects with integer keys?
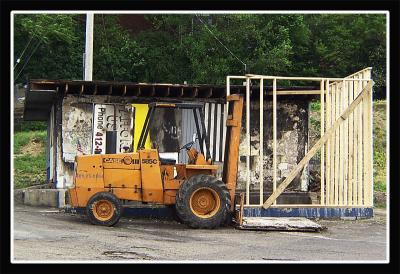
[{"x": 345, "y": 143}]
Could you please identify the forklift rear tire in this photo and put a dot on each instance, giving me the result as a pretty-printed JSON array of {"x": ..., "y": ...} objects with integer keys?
[
  {"x": 103, "y": 208},
  {"x": 203, "y": 202}
]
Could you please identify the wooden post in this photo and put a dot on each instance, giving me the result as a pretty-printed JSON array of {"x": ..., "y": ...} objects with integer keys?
[
  {"x": 346, "y": 143},
  {"x": 323, "y": 147},
  {"x": 360, "y": 149},
  {"x": 248, "y": 141},
  {"x": 274, "y": 129},
  {"x": 341, "y": 148},
  {"x": 367, "y": 106},
  {"x": 315, "y": 148},
  {"x": 328, "y": 147},
  {"x": 261, "y": 161},
  {"x": 332, "y": 145},
  {"x": 355, "y": 163},
  {"x": 241, "y": 208},
  {"x": 337, "y": 147},
  {"x": 369, "y": 154},
  {"x": 351, "y": 149}
]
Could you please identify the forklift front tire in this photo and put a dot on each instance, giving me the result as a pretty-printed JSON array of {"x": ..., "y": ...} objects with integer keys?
[
  {"x": 203, "y": 202},
  {"x": 103, "y": 209}
]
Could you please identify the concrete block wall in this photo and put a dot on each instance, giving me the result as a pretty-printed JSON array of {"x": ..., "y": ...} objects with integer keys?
[{"x": 41, "y": 197}]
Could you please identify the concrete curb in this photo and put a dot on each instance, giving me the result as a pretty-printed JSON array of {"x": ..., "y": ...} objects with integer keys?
[{"x": 40, "y": 197}]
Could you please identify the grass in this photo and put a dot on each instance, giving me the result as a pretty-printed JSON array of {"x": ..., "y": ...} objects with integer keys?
[
  {"x": 29, "y": 165},
  {"x": 22, "y": 138},
  {"x": 379, "y": 124}
]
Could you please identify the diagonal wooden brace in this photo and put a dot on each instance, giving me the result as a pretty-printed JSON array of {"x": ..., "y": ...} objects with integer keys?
[{"x": 317, "y": 146}]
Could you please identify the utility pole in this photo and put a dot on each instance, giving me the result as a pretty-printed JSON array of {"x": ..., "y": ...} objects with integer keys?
[{"x": 89, "y": 47}]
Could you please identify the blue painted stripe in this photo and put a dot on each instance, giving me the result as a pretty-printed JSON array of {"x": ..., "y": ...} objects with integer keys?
[
  {"x": 311, "y": 213},
  {"x": 135, "y": 212}
]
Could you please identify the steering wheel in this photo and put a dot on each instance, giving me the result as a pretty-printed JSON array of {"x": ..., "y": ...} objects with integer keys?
[{"x": 188, "y": 145}]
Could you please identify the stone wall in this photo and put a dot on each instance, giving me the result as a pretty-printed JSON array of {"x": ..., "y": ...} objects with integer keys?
[{"x": 292, "y": 129}]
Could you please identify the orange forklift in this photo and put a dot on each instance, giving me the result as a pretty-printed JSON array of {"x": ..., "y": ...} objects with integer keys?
[{"x": 102, "y": 182}]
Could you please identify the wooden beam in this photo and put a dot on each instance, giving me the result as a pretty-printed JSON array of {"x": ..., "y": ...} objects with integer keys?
[
  {"x": 295, "y": 92},
  {"x": 66, "y": 89},
  {"x": 355, "y": 163},
  {"x": 328, "y": 147},
  {"x": 351, "y": 148},
  {"x": 81, "y": 91},
  {"x": 332, "y": 145},
  {"x": 367, "y": 109},
  {"x": 322, "y": 99},
  {"x": 315, "y": 148},
  {"x": 274, "y": 133},
  {"x": 369, "y": 163},
  {"x": 261, "y": 145},
  {"x": 341, "y": 146},
  {"x": 360, "y": 150},
  {"x": 346, "y": 144},
  {"x": 269, "y": 77},
  {"x": 248, "y": 141},
  {"x": 337, "y": 146},
  {"x": 124, "y": 91}
]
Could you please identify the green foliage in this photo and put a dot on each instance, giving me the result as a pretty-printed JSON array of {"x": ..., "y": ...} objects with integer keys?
[
  {"x": 22, "y": 138},
  {"x": 187, "y": 47},
  {"x": 54, "y": 42},
  {"x": 315, "y": 106},
  {"x": 116, "y": 55},
  {"x": 30, "y": 126},
  {"x": 194, "y": 54},
  {"x": 379, "y": 124},
  {"x": 29, "y": 169},
  {"x": 341, "y": 44}
]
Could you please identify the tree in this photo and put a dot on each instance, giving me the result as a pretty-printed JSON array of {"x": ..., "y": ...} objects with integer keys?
[
  {"x": 116, "y": 54},
  {"x": 53, "y": 46},
  {"x": 204, "y": 48}
]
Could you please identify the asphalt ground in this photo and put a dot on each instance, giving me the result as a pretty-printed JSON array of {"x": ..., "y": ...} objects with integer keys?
[{"x": 46, "y": 234}]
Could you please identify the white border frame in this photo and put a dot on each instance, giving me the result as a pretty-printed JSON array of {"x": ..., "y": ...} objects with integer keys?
[{"x": 197, "y": 12}]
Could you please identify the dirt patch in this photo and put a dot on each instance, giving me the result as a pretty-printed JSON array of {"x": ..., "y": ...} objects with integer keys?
[{"x": 35, "y": 147}]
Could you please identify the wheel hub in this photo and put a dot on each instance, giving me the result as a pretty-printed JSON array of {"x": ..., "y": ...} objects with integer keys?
[
  {"x": 205, "y": 202},
  {"x": 103, "y": 210}
]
